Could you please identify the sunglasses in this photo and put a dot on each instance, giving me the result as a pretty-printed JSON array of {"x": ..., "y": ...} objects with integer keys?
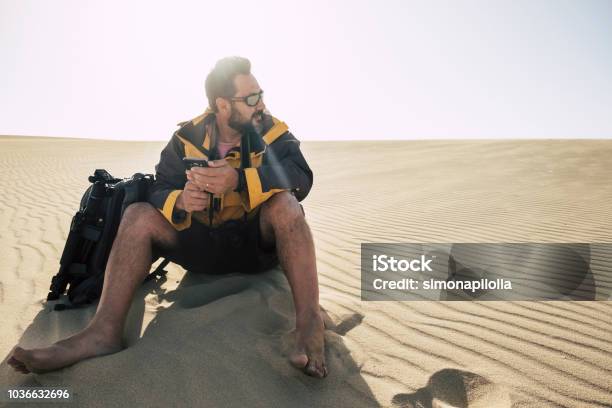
[{"x": 251, "y": 100}]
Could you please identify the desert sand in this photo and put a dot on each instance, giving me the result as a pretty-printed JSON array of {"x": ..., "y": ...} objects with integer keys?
[{"x": 222, "y": 342}]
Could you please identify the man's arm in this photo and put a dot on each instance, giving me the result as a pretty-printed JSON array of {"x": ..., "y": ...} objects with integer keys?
[
  {"x": 169, "y": 183},
  {"x": 284, "y": 168}
]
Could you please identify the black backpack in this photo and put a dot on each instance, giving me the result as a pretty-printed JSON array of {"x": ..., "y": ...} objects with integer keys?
[{"x": 92, "y": 232}]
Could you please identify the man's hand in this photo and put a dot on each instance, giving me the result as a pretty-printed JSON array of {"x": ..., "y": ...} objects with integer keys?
[
  {"x": 218, "y": 178},
  {"x": 192, "y": 198}
]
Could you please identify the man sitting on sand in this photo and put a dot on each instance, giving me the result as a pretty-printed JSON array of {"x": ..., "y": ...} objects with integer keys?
[{"x": 256, "y": 220}]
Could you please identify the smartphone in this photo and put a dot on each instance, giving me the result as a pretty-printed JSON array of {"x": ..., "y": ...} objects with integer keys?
[
  {"x": 191, "y": 162},
  {"x": 194, "y": 162}
]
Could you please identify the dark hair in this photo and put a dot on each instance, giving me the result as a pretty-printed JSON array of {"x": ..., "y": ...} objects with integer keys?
[{"x": 220, "y": 81}]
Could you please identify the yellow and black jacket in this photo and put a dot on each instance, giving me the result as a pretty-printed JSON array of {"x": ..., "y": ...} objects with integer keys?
[{"x": 277, "y": 164}]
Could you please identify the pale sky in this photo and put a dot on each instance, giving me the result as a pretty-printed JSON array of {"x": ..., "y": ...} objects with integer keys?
[{"x": 330, "y": 69}]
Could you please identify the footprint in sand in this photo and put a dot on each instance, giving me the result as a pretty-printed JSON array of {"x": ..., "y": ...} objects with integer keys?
[{"x": 452, "y": 388}]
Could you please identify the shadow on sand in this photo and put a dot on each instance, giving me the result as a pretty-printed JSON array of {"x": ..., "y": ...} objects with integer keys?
[
  {"x": 457, "y": 389},
  {"x": 213, "y": 341}
]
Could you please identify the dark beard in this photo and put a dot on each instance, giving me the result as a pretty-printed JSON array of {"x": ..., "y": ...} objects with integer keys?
[{"x": 244, "y": 127}]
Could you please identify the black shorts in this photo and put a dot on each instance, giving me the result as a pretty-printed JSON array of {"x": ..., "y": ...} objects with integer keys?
[{"x": 234, "y": 246}]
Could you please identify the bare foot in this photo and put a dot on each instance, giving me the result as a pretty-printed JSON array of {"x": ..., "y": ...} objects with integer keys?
[
  {"x": 86, "y": 344},
  {"x": 309, "y": 354}
]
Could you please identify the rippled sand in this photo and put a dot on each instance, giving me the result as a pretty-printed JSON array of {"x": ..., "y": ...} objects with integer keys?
[{"x": 197, "y": 341}]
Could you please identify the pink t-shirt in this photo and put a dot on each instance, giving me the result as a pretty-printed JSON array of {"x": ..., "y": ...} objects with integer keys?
[{"x": 224, "y": 147}]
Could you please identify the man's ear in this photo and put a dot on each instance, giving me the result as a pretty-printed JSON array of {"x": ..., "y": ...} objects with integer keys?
[{"x": 223, "y": 105}]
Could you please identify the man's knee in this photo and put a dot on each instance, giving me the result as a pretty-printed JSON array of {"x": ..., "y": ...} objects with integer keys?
[
  {"x": 142, "y": 217},
  {"x": 282, "y": 208},
  {"x": 141, "y": 222}
]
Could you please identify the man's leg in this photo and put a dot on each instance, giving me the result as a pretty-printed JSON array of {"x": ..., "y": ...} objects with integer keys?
[
  {"x": 282, "y": 222},
  {"x": 129, "y": 262}
]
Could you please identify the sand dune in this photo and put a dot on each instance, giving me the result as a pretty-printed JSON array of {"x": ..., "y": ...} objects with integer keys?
[{"x": 202, "y": 341}]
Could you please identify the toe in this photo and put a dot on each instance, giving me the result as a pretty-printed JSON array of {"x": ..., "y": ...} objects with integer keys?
[
  {"x": 316, "y": 369},
  {"x": 22, "y": 370},
  {"x": 299, "y": 359},
  {"x": 13, "y": 362},
  {"x": 25, "y": 359},
  {"x": 17, "y": 365},
  {"x": 19, "y": 354}
]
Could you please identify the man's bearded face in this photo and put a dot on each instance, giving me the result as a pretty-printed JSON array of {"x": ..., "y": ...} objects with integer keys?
[
  {"x": 244, "y": 118},
  {"x": 244, "y": 124}
]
